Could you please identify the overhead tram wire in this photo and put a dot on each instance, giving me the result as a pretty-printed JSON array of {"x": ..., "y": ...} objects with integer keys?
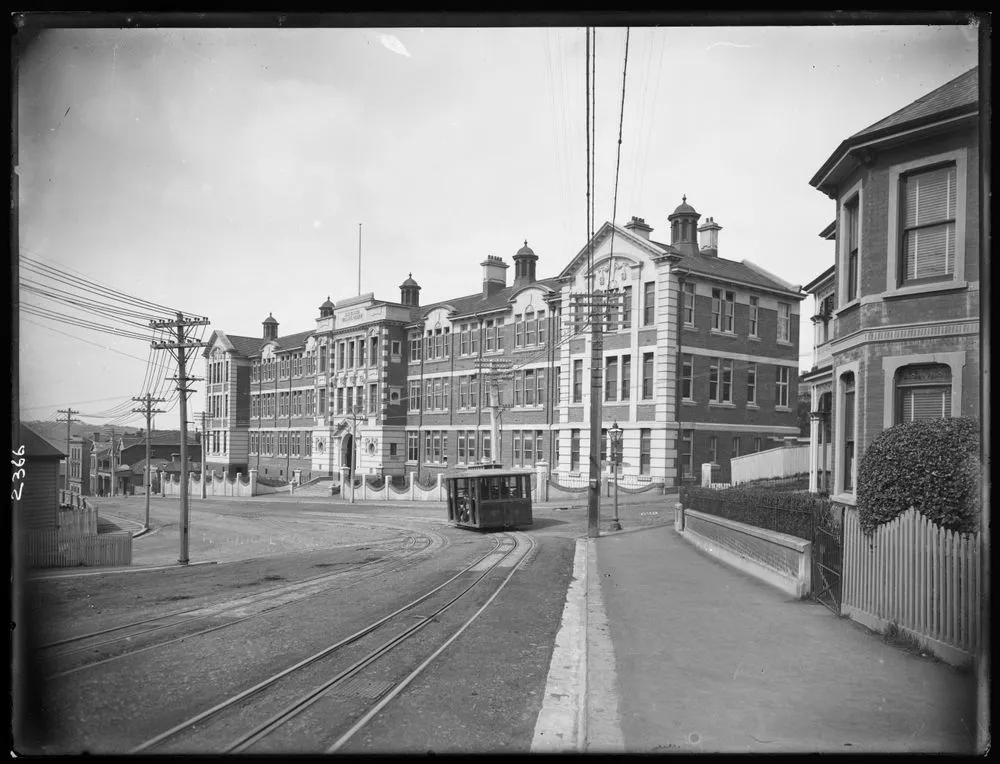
[{"x": 621, "y": 122}]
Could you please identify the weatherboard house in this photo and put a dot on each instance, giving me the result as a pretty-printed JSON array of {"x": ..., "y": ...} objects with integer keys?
[
  {"x": 897, "y": 316},
  {"x": 503, "y": 373}
]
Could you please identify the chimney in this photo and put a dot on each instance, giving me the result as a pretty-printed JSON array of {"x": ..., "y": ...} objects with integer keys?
[
  {"x": 708, "y": 234},
  {"x": 524, "y": 265},
  {"x": 494, "y": 275},
  {"x": 638, "y": 227},
  {"x": 270, "y": 328},
  {"x": 97, "y": 437}
]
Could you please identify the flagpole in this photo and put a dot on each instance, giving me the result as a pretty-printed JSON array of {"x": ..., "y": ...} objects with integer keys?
[{"x": 359, "y": 259}]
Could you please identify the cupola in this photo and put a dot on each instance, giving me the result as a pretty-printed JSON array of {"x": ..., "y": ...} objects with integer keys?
[
  {"x": 270, "y": 328},
  {"x": 684, "y": 228},
  {"x": 524, "y": 265},
  {"x": 326, "y": 309},
  {"x": 409, "y": 292}
]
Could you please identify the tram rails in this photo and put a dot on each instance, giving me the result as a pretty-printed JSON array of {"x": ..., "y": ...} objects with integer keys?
[
  {"x": 320, "y": 702},
  {"x": 124, "y": 640}
]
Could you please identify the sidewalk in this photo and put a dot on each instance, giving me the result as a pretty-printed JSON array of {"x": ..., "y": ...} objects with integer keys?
[{"x": 708, "y": 659}]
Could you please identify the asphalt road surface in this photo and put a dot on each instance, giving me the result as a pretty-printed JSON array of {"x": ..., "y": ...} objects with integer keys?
[{"x": 124, "y": 657}]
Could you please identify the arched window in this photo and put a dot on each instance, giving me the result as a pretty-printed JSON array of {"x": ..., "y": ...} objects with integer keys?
[{"x": 923, "y": 392}]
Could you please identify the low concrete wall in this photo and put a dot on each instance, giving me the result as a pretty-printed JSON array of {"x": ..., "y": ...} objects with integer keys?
[{"x": 776, "y": 558}]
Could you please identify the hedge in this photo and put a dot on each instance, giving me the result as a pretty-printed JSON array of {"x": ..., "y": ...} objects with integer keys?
[{"x": 932, "y": 466}]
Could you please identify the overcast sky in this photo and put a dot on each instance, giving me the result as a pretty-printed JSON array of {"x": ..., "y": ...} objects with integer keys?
[{"x": 224, "y": 172}]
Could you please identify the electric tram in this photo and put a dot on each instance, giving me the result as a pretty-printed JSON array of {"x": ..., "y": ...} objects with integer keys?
[{"x": 488, "y": 496}]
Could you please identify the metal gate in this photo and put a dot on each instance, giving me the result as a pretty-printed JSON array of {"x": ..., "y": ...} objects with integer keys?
[{"x": 827, "y": 554}]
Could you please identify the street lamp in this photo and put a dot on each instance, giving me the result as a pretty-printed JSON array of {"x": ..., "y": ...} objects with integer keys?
[{"x": 616, "y": 456}]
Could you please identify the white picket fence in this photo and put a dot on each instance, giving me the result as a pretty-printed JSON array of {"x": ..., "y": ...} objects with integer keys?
[
  {"x": 773, "y": 463},
  {"x": 918, "y": 576}
]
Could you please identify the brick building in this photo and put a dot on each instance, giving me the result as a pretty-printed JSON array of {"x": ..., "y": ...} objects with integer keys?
[
  {"x": 904, "y": 292},
  {"x": 503, "y": 373},
  {"x": 80, "y": 455}
]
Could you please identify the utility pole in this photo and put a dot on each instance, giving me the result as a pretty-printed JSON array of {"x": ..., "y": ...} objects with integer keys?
[
  {"x": 111, "y": 456},
  {"x": 596, "y": 362},
  {"x": 182, "y": 346},
  {"x": 493, "y": 371},
  {"x": 204, "y": 435},
  {"x": 148, "y": 410},
  {"x": 69, "y": 420},
  {"x": 359, "y": 259}
]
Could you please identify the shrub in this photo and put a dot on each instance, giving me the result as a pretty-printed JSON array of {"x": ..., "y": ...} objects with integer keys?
[
  {"x": 781, "y": 511},
  {"x": 272, "y": 482},
  {"x": 931, "y": 465}
]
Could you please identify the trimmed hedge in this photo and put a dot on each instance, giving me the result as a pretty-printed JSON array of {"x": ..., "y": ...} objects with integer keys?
[
  {"x": 780, "y": 511},
  {"x": 931, "y": 465},
  {"x": 272, "y": 482}
]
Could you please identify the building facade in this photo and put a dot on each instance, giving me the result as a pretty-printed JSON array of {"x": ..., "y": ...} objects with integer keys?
[
  {"x": 504, "y": 373},
  {"x": 80, "y": 451},
  {"x": 904, "y": 312}
]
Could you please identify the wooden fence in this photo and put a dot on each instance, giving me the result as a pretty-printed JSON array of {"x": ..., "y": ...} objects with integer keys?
[
  {"x": 923, "y": 579},
  {"x": 50, "y": 549}
]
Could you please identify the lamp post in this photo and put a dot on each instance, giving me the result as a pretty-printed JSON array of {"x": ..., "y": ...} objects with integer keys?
[{"x": 616, "y": 443}]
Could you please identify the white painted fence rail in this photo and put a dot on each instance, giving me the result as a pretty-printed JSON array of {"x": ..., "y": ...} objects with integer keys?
[
  {"x": 773, "y": 463},
  {"x": 918, "y": 576}
]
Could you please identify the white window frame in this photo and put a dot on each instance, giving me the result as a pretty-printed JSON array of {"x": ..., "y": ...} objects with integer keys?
[
  {"x": 892, "y": 289},
  {"x": 891, "y": 364},
  {"x": 840, "y": 494},
  {"x": 842, "y": 243}
]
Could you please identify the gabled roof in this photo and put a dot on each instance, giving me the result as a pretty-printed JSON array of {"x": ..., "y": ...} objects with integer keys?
[
  {"x": 37, "y": 446},
  {"x": 824, "y": 276},
  {"x": 245, "y": 346}
]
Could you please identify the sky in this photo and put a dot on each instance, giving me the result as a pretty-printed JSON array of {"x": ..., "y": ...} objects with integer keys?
[{"x": 237, "y": 173}]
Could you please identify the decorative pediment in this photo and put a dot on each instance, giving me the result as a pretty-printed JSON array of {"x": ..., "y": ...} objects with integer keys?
[
  {"x": 269, "y": 350},
  {"x": 627, "y": 246},
  {"x": 311, "y": 345}
]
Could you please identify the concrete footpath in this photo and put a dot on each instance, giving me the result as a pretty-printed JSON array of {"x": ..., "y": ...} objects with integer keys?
[{"x": 681, "y": 653}]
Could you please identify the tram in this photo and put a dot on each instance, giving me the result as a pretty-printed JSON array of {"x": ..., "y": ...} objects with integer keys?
[{"x": 488, "y": 497}]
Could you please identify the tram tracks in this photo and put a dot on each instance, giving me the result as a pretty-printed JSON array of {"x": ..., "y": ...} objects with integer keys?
[
  {"x": 124, "y": 640},
  {"x": 322, "y": 701}
]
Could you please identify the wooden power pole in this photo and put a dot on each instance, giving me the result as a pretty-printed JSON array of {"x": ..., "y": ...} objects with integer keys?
[
  {"x": 69, "y": 421},
  {"x": 148, "y": 410},
  {"x": 182, "y": 345}
]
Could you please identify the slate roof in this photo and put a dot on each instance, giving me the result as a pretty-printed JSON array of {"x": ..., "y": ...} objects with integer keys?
[
  {"x": 38, "y": 446},
  {"x": 246, "y": 345},
  {"x": 963, "y": 91},
  {"x": 728, "y": 270},
  {"x": 465, "y": 306}
]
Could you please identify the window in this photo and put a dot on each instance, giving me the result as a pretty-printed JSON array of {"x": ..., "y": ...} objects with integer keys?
[
  {"x": 687, "y": 376},
  {"x": 723, "y": 304},
  {"x": 471, "y": 444},
  {"x": 412, "y": 447},
  {"x": 556, "y": 382},
  {"x": 647, "y": 376},
  {"x": 518, "y": 331},
  {"x": 848, "y": 386},
  {"x": 713, "y": 447},
  {"x": 923, "y": 392},
  {"x": 372, "y": 398},
  {"x": 928, "y": 215},
  {"x": 530, "y": 328},
  {"x": 736, "y": 447},
  {"x": 645, "y": 446},
  {"x": 754, "y": 328},
  {"x": 414, "y": 397},
  {"x": 687, "y": 452},
  {"x": 396, "y": 347},
  {"x": 518, "y": 388},
  {"x": 611, "y": 379},
  {"x": 414, "y": 348},
  {"x": 626, "y": 307},
  {"x": 688, "y": 304},
  {"x": 611, "y": 310},
  {"x": 350, "y": 354},
  {"x": 752, "y": 384},
  {"x": 649, "y": 303},
  {"x": 487, "y": 449},
  {"x": 574, "y": 450},
  {"x": 373, "y": 351},
  {"x": 322, "y": 401},
  {"x": 726, "y": 390},
  {"x": 781, "y": 387},
  {"x": 784, "y": 322},
  {"x": 626, "y": 377},
  {"x": 758, "y": 445},
  {"x": 439, "y": 393},
  {"x": 340, "y": 400},
  {"x": 577, "y": 381},
  {"x": 341, "y": 349},
  {"x": 713, "y": 381},
  {"x": 517, "y": 447},
  {"x": 851, "y": 246}
]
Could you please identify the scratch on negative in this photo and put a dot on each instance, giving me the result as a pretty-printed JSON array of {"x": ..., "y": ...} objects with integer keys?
[{"x": 737, "y": 670}]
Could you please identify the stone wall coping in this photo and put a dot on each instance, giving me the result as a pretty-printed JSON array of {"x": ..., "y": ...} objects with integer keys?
[{"x": 774, "y": 537}]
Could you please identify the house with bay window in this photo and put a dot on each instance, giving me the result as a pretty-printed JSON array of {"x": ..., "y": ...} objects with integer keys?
[{"x": 897, "y": 318}]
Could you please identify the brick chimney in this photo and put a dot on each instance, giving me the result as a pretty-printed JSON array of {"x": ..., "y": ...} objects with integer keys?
[
  {"x": 708, "y": 235},
  {"x": 494, "y": 275},
  {"x": 639, "y": 227}
]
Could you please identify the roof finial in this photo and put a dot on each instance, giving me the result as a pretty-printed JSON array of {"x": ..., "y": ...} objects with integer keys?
[
  {"x": 411, "y": 274},
  {"x": 526, "y": 242},
  {"x": 684, "y": 199}
]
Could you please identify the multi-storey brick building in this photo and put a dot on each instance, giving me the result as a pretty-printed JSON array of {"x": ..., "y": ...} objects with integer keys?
[
  {"x": 905, "y": 307},
  {"x": 503, "y": 373},
  {"x": 80, "y": 451}
]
